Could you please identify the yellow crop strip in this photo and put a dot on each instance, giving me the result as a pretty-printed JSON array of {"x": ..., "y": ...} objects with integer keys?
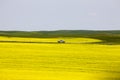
[
  {"x": 53, "y": 61},
  {"x": 77, "y": 40}
]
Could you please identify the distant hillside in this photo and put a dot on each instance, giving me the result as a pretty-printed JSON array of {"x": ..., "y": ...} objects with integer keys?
[{"x": 111, "y": 36}]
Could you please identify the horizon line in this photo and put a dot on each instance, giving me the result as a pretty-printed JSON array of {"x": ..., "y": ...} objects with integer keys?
[{"x": 68, "y": 30}]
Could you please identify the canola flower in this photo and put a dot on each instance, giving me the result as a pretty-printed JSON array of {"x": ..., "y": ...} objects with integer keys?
[{"x": 53, "y": 61}]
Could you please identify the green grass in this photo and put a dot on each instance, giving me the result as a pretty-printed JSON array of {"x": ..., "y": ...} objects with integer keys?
[{"x": 112, "y": 37}]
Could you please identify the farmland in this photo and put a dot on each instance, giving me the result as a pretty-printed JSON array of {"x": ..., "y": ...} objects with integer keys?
[{"x": 45, "y": 59}]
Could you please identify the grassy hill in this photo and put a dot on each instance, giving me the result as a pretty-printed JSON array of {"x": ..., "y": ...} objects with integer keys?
[{"x": 105, "y": 36}]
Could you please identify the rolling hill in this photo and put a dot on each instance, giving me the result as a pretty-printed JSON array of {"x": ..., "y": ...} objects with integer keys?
[{"x": 105, "y": 36}]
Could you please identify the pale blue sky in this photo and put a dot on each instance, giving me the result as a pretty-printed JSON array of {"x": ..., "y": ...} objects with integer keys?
[{"x": 59, "y": 14}]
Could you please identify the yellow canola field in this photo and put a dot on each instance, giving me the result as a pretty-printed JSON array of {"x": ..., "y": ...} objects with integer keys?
[
  {"x": 69, "y": 40},
  {"x": 53, "y": 61}
]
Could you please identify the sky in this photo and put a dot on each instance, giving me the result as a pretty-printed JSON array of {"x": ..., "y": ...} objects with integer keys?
[{"x": 38, "y": 15}]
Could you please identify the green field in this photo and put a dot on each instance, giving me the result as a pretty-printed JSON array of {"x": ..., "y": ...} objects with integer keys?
[{"x": 45, "y": 59}]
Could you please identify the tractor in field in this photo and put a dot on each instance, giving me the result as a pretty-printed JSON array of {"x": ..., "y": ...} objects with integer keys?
[{"x": 61, "y": 41}]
